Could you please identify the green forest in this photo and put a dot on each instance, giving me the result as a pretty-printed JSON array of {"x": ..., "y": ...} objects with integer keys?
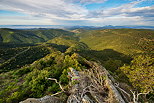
[{"x": 29, "y": 57}]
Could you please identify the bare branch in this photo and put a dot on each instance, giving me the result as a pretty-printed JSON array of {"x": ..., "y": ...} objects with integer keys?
[
  {"x": 57, "y": 93},
  {"x": 141, "y": 94},
  {"x": 57, "y": 83},
  {"x": 117, "y": 85}
]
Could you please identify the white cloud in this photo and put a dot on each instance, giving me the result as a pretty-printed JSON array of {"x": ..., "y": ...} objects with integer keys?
[
  {"x": 64, "y": 12},
  {"x": 28, "y": 20},
  {"x": 47, "y": 8},
  {"x": 113, "y": 11},
  {"x": 91, "y": 1},
  {"x": 128, "y": 11},
  {"x": 86, "y": 1}
]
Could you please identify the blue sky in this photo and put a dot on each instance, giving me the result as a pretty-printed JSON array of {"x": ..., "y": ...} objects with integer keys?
[{"x": 77, "y": 12}]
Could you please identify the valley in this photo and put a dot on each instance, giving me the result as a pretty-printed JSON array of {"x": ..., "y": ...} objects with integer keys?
[{"x": 122, "y": 56}]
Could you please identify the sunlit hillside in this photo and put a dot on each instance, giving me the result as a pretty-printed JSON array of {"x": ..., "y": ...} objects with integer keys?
[{"x": 126, "y": 41}]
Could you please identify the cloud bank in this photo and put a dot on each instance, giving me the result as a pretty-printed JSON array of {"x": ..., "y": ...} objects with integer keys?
[{"x": 69, "y": 12}]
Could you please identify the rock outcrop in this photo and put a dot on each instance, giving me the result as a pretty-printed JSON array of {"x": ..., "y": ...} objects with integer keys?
[{"x": 92, "y": 85}]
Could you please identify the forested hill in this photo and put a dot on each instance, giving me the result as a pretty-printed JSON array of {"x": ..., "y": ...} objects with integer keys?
[
  {"x": 127, "y": 41},
  {"x": 38, "y": 69},
  {"x": 30, "y": 36}
]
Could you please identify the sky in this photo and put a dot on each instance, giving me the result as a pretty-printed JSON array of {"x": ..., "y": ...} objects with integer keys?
[{"x": 77, "y": 12}]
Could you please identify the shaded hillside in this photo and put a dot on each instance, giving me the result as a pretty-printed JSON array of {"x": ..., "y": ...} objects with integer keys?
[
  {"x": 72, "y": 42},
  {"x": 105, "y": 55},
  {"x": 14, "y": 45},
  {"x": 19, "y": 57},
  {"x": 30, "y": 36},
  {"x": 7, "y": 53},
  {"x": 122, "y": 40},
  {"x": 16, "y": 57},
  {"x": 13, "y": 56}
]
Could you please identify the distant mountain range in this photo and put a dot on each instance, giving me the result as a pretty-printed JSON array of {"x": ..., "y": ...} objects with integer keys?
[
  {"x": 73, "y": 27},
  {"x": 108, "y": 27}
]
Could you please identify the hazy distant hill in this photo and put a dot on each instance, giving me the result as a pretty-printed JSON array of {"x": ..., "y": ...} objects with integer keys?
[
  {"x": 122, "y": 40},
  {"x": 23, "y": 27},
  {"x": 30, "y": 36},
  {"x": 107, "y": 27}
]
